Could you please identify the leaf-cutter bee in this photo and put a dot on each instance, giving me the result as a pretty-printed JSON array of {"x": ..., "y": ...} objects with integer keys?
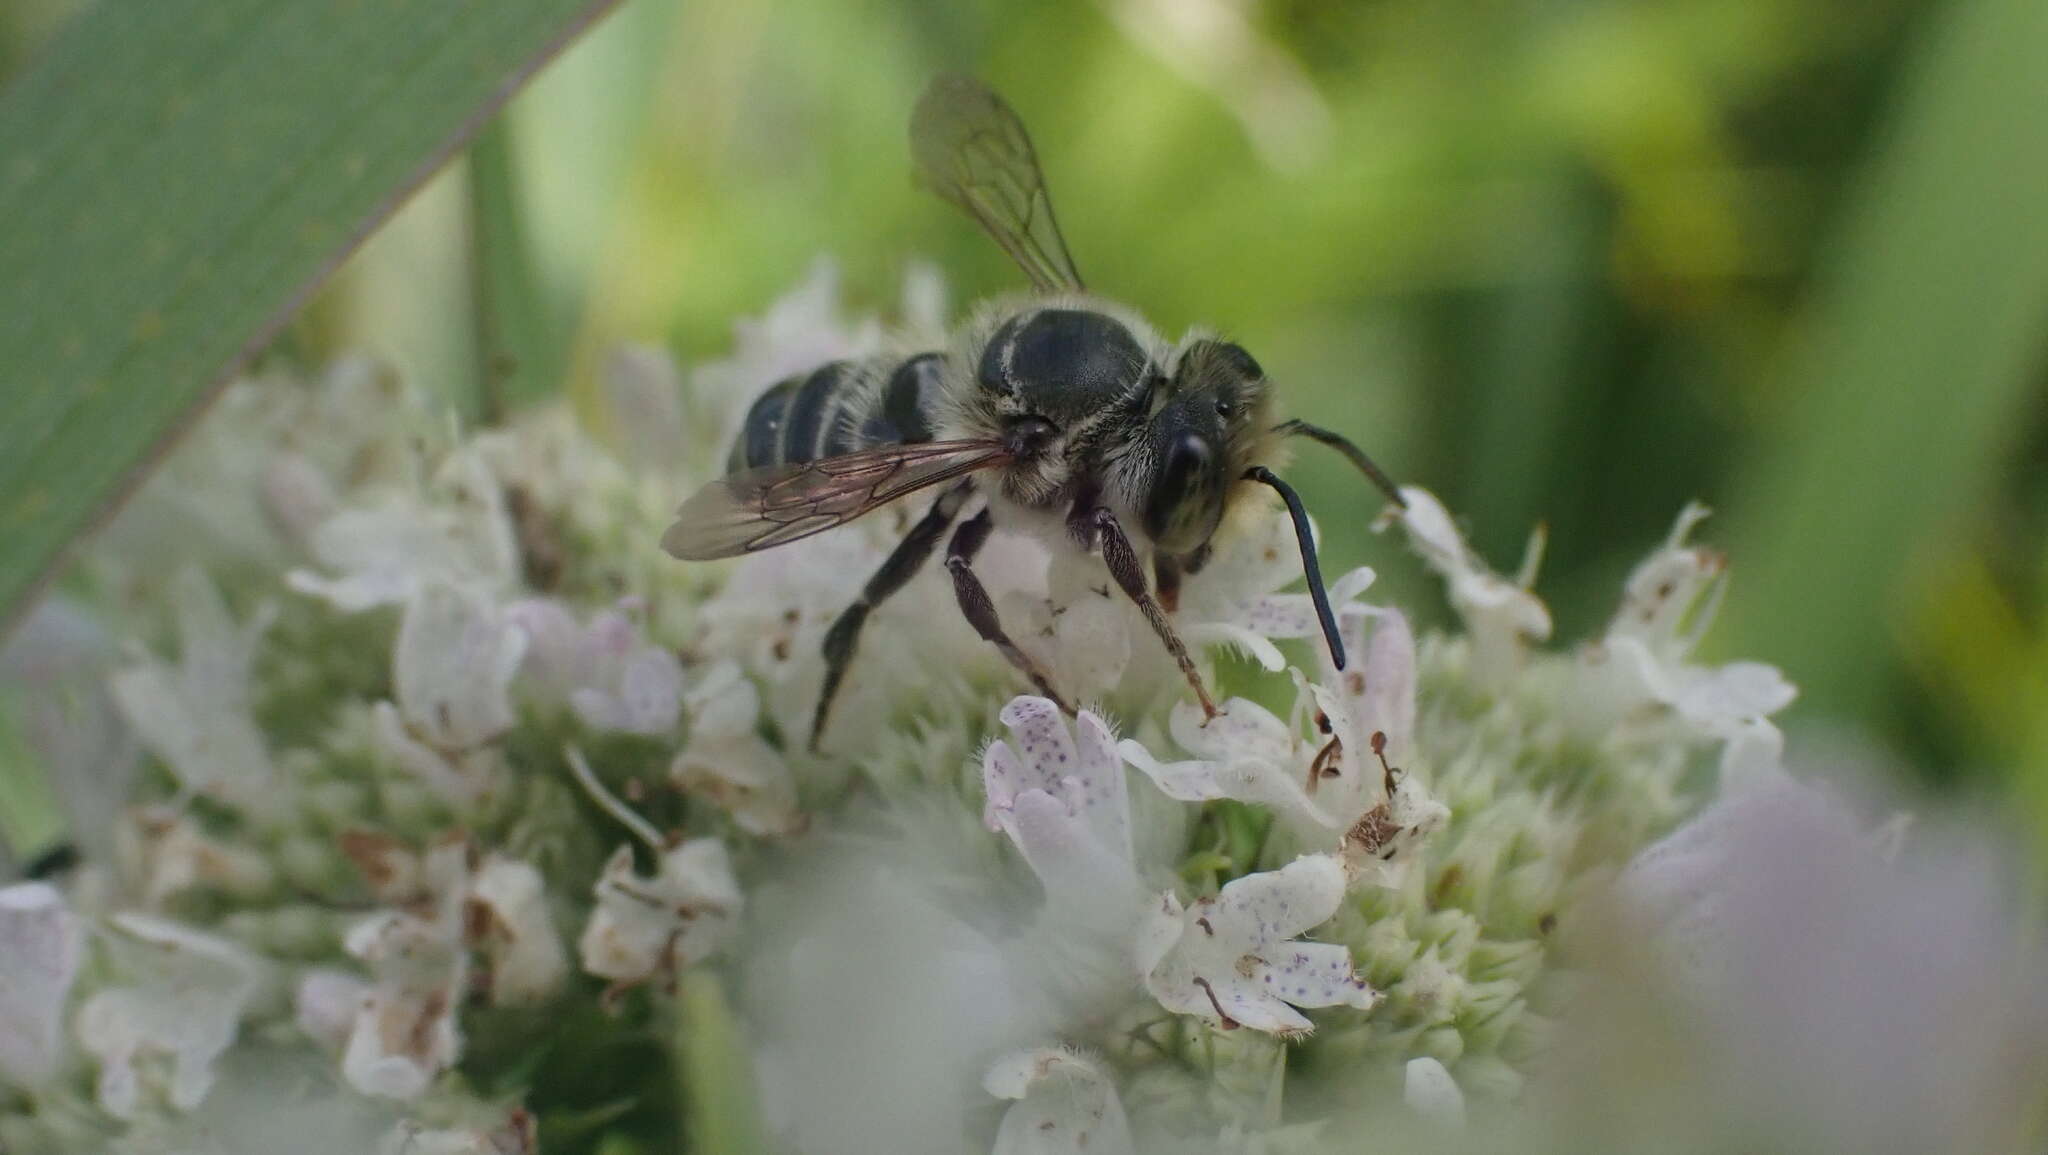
[{"x": 1058, "y": 411}]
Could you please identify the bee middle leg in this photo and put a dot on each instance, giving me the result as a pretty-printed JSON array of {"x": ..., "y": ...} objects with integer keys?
[
  {"x": 981, "y": 611},
  {"x": 901, "y": 565},
  {"x": 1122, "y": 560}
]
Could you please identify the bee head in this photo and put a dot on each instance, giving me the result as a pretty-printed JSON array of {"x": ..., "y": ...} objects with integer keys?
[{"x": 1204, "y": 428}]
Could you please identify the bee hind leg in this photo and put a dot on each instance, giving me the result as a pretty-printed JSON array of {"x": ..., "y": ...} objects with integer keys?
[
  {"x": 1122, "y": 560},
  {"x": 981, "y": 611},
  {"x": 901, "y": 565}
]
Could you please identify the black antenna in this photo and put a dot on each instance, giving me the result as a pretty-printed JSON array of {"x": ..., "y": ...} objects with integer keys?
[
  {"x": 1343, "y": 445},
  {"x": 1309, "y": 569}
]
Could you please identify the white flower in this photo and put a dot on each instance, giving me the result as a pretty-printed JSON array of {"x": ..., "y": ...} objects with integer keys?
[
  {"x": 517, "y": 1134},
  {"x": 40, "y": 945},
  {"x": 802, "y": 330},
  {"x": 1235, "y": 599},
  {"x": 1232, "y": 959},
  {"x": 562, "y": 655},
  {"x": 53, "y": 679},
  {"x": 452, "y": 671},
  {"x": 164, "y": 1033},
  {"x": 195, "y": 716},
  {"x": 612, "y": 676},
  {"x": 639, "y": 692},
  {"x": 1667, "y": 605},
  {"x": 648, "y": 927},
  {"x": 168, "y": 854},
  {"x": 1865, "y": 998},
  {"x": 1065, "y": 1105},
  {"x": 326, "y": 1003},
  {"x": 644, "y": 927},
  {"x": 1333, "y": 788},
  {"x": 455, "y": 533},
  {"x": 297, "y": 495},
  {"x": 1062, "y": 802},
  {"x": 405, "y": 1030},
  {"x": 1429, "y": 1089},
  {"x": 1502, "y": 616},
  {"x": 1067, "y": 615},
  {"x": 726, "y": 761},
  {"x": 645, "y": 393},
  {"x": 776, "y": 605},
  {"x": 509, "y": 910},
  {"x": 452, "y": 668}
]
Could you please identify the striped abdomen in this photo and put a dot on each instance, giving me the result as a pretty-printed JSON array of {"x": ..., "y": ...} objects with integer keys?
[{"x": 839, "y": 408}]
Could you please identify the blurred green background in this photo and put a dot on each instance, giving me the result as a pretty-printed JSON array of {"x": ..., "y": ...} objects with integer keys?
[{"x": 1563, "y": 262}]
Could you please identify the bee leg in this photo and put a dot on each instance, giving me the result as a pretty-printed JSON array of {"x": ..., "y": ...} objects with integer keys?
[
  {"x": 981, "y": 612},
  {"x": 901, "y": 565},
  {"x": 1124, "y": 566}
]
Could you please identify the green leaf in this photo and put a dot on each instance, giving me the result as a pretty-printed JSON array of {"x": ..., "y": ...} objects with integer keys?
[
  {"x": 519, "y": 355},
  {"x": 176, "y": 176},
  {"x": 1919, "y": 368}
]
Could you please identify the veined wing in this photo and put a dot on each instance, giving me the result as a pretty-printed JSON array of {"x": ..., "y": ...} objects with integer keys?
[
  {"x": 758, "y": 509},
  {"x": 971, "y": 149}
]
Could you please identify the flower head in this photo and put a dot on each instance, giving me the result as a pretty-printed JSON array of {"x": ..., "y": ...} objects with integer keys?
[
  {"x": 1064, "y": 1101},
  {"x": 196, "y": 716},
  {"x": 160, "y": 1036},
  {"x": 1059, "y": 796},
  {"x": 1233, "y": 960},
  {"x": 406, "y": 1029},
  {"x": 1502, "y": 615}
]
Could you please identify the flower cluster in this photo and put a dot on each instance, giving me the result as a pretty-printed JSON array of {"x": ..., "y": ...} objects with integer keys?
[{"x": 426, "y": 777}]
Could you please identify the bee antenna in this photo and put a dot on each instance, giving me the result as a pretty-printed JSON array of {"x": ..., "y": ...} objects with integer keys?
[
  {"x": 1310, "y": 570},
  {"x": 1343, "y": 445}
]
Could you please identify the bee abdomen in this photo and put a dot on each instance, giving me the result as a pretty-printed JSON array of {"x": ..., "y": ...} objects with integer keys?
[{"x": 835, "y": 409}]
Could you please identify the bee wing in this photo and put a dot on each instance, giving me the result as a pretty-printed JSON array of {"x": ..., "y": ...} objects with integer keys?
[
  {"x": 970, "y": 148},
  {"x": 758, "y": 509}
]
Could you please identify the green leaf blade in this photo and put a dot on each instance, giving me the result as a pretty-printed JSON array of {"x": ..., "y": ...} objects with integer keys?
[{"x": 175, "y": 179}]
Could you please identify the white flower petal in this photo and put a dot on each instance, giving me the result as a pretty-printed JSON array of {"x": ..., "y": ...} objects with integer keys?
[
  {"x": 723, "y": 703},
  {"x": 457, "y": 534},
  {"x": 1500, "y": 615},
  {"x": 1066, "y": 1104},
  {"x": 645, "y": 391},
  {"x": 41, "y": 942},
  {"x": 1667, "y": 587},
  {"x": 452, "y": 668},
  {"x": 1082, "y": 769},
  {"x": 326, "y": 1004},
  {"x": 1377, "y": 687},
  {"x": 1234, "y": 963},
  {"x": 745, "y": 777},
  {"x": 453, "y": 783},
  {"x": 645, "y": 927},
  {"x": 195, "y": 716},
  {"x": 1430, "y": 1091},
  {"x": 185, "y": 1009},
  {"x": 174, "y": 855},
  {"x": 405, "y": 1031},
  {"x": 527, "y": 960},
  {"x": 557, "y": 660},
  {"x": 1248, "y": 756},
  {"x": 1085, "y": 880}
]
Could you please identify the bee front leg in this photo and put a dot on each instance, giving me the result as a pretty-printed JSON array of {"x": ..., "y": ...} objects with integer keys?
[
  {"x": 1122, "y": 559},
  {"x": 901, "y": 565},
  {"x": 980, "y": 610}
]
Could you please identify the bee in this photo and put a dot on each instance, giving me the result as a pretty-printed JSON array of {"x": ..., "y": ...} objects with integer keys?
[{"x": 1057, "y": 411}]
